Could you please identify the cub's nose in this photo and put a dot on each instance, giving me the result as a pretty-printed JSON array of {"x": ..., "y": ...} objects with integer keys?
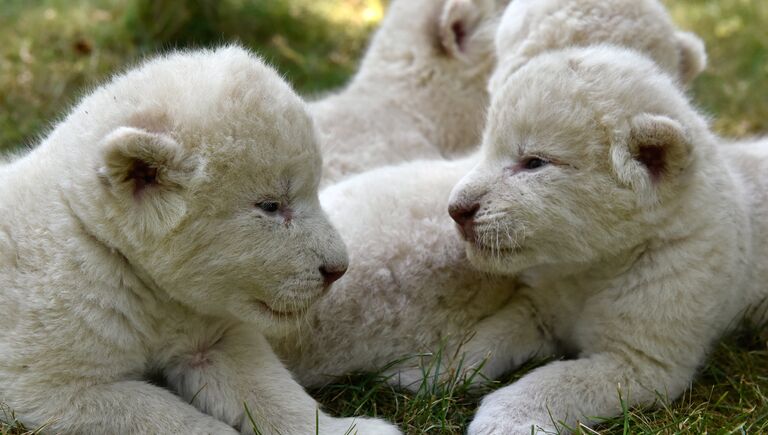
[
  {"x": 464, "y": 215},
  {"x": 332, "y": 274}
]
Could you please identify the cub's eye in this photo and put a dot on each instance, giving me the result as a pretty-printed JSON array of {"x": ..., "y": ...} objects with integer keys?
[
  {"x": 269, "y": 206},
  {"x": 532, "y": 163}
]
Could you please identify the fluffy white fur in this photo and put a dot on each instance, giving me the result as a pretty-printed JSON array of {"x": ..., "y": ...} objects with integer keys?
[
  {"x": 421, "y": 88},
  {"x": 637, "y": 239},
  {"x": 420, "y": 91},
  {"x": 748, "y": 159},
  {"x": 138, "y": 239},
  {"x": 532, "y": 27},
  {"x": 410, "y": 289}
]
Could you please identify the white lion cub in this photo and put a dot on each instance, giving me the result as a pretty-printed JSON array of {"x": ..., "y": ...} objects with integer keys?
[
  {"x": 420, "y": 91},
  {"x": 165, "y": 224},
  {"x": 638, "y": 243},
  {"x": 531, "y": 27},
  {"x": 410, "y": 271}
]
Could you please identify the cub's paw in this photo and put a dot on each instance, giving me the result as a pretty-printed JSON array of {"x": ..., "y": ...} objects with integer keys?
[
  {"x": 412, "y": 379},
  {"x": 497, "y": 416},
  {"x": 210, "y": 426},
  {"x": 417, "y": 379},
  {"x": 500, "y": 427},
  {"x": 360, "y": 426}
]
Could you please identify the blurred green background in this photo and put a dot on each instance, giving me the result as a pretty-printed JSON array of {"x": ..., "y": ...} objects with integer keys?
[{"x": 54, "y": 50}]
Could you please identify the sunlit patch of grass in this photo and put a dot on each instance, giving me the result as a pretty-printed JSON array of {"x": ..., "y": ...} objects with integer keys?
[
  {"x": 51, "y": 52},
  {"x": 734, "y": 89},
  {"x": 54, "y": 50},
  {"x": 315, "y": 43},
  {"x": 350, "y": 12}
]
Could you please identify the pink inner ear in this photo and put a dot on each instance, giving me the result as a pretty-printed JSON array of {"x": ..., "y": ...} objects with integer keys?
[
  {"x": 654, "y": 158},
  {"x": 142, "y": 175},
  {"x": 459, "y": 34}
]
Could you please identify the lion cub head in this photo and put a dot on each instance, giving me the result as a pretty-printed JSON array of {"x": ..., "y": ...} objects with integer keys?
[
  {"x": 581, "y": 162},
  {"x": 206, "y": 171},
  {"x": 532, "y": 27}
]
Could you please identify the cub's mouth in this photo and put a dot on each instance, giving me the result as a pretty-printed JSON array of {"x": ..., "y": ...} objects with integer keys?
[
  {"x": 480, "y": 248},
  {"x": 284, "y": 313}
]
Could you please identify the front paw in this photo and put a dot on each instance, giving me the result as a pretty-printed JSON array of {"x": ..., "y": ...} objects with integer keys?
[
  {"x": 497, "y": 416},
  {"x": 413, "y": 380},
  {"x": 209, "y": 426},
  {"x": 359, "y": 426},
  {"x": 501, "y": 426},
  {"x": 417, "y": 380}
]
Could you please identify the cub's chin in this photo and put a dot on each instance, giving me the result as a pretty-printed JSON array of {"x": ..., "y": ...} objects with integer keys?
[
  {"x": 498, "y": 261},
  {"x": 273, "y": 320}
]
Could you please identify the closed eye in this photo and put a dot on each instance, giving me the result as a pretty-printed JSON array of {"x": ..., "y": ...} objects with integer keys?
[
  {"x": 533, "y": 163},
  {"x": 268, "y": 206}
]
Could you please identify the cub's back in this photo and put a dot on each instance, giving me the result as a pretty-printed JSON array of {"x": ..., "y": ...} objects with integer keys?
[{"x": 749, "y": 160}]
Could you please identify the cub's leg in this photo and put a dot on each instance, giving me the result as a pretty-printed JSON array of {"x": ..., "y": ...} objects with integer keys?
[
  {"x": 128, "y": 407},
  {"x": 500, "y": 343},
  {"x": 240, "y": 368},
  {"x": 576, "y": 391}
]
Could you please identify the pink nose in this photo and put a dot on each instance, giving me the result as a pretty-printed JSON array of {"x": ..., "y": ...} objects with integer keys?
[
  {"x": 464, "y": 215},
  {"x": 332, "y": 274}
]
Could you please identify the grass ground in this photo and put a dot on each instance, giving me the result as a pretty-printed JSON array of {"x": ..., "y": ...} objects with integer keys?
[{"x": 53, "y": 50}]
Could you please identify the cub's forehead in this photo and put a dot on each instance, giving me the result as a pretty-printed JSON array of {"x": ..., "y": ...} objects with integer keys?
[
  {"x": 224, "y": 101},
  {"x": 606, "y": 81},
  {"x": 576, "y": 96},
  {"x": 280, "y": 145},
  {"x": 278, "y": 123},
  {"x": 540, "y": 107},
  {"x": 241, "y": 96}
]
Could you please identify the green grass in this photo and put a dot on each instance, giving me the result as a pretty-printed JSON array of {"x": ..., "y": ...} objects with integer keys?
[
  {"x": 734, "y": 88},
  {"x": 54, "y": 50},
  {"x": 729, "y": 396}
]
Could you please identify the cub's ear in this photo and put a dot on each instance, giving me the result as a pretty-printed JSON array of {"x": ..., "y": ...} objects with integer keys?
[
  {"x": 142, "y": 162},
  {"x": 459, "y": 20},
  {"x": 660, "y": 144},
  {"x": 147, "y": 173},
  {"x": 693, "y": 56},
  {"x": 653, "y": 149}
]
